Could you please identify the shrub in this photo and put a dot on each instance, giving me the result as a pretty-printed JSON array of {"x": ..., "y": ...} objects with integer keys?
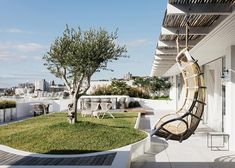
[
  {"x": 65, "y": 95},
  {"x": 155, "y": 85},
  {"x": 134, "y": 104},
  {"x": 114, "y": 90},
  {"x": 102, "y": 90},
  {"x": 138, "y": 92},
  {"x": 7, "y": 104},
  {"x": 119, "y": 87},
  {"x": 161, "y": 98}
]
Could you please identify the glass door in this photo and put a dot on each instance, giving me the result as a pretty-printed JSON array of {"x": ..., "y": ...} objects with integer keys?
[{"x": 223, "y": 105}]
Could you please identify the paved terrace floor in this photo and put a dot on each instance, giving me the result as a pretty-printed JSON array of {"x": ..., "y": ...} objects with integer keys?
[
  {"x": 10, "y": 159},
  {"x": 192, "y": 153}
]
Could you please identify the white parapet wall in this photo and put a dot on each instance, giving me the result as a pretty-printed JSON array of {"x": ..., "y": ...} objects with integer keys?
[
  {"x": 24, "y": 108},
  {"x": 137, "y": 123},
  {"x": 156, "y": 104},
  {"x": 60, "y": 105},
  {"x": 140, "y": 148}
]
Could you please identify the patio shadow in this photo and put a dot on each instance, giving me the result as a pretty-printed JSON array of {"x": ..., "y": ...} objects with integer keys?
[
  {"x": 225, "y": 159},
  {"x": 182, "y": 165}
]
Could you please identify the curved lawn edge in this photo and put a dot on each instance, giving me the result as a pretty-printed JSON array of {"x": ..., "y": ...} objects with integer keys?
[
  {"x": 107, "y": 134},
  {"x": 122, "y": 120},
  {"x": 123, "y": 148}
]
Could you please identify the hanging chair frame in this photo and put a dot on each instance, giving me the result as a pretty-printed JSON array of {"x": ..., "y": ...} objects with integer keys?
[{"x": 182, "y": 124}]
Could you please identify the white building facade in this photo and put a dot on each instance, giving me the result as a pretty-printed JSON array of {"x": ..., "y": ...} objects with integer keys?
[
  {"x": 212, "y": 43},
  {"x": 42, "y": 85}
]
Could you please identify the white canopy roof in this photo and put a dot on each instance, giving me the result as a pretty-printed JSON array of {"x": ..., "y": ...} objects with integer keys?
[{"x": 202, "y": 15}]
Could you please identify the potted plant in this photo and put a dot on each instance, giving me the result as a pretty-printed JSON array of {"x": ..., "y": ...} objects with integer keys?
[
  {"x": 12, "y": 106},
  {"x": 7, "y": 110}
]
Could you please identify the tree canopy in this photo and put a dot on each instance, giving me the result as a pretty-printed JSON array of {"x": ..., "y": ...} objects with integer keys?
[
  {"x": 77, "y": 55},
  {"x": 153, "y": 84}
]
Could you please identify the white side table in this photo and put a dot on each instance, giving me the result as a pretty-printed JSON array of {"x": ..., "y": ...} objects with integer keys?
[{"x": 211, "y": 138}]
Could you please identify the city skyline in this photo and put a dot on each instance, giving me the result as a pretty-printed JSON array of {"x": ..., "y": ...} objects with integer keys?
[{"x": 29, "y": 27}]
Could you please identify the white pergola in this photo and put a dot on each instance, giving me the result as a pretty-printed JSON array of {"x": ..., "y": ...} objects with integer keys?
[{"x": 202, "y": 15}]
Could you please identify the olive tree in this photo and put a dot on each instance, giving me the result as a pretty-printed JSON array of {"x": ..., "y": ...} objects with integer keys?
[
  {"x": 159, "y": 85},
  {"x": 153, "y": 85},
  {"x": 119, "y": 87},
  {"x": 77, "y": 55}
]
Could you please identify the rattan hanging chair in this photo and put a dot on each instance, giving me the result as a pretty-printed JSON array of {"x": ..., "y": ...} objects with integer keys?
[{"x": 182, "y": 124}]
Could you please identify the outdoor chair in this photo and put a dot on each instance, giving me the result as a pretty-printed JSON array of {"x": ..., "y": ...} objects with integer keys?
[
  {"x": 86, "y": 111},
  {"x": 182, "y": 124},
  {"x": 46, "y": 108},
  {"x": 105, "y": 110},
  {"x": 38, "y": 109},
  {"x": 122, "y": 103}
]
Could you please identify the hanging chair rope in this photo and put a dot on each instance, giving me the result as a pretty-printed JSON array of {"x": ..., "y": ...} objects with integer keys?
[
  {"x": 177, "y": 42},
  {"x": 187, "y": 35}
]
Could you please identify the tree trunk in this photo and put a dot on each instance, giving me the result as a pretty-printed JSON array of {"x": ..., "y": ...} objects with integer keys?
[
  {"x": 72, "y": 112},
  {"x": 75, "y": 103}
]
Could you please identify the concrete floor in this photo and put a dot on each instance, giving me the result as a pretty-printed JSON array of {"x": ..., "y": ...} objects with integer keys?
[{"x": 191, "y": 153}]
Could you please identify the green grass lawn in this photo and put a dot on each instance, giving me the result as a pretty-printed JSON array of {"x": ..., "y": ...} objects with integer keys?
[{"x": 53, "y": 134}]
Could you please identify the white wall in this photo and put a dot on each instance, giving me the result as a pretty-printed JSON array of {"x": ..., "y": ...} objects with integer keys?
[
  {"x": 230, "y": 96},
  {"x": 23, "y": 110},
  {"x": 24, "y": 107},
  {"x": 60, "y": 105},
  {"x": 156, "y": 104}
]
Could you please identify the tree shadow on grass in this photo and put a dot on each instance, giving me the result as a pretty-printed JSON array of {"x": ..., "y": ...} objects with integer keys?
[
  {"x": 124, "y": 127},
  {"x": 89, "y": 124},
  {"x": 117, "y": 116},
  {"x": 71, "y": 151},
  {"x": 100, "y": 125}
]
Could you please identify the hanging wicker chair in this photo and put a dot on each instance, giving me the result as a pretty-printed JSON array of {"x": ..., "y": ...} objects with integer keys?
[{"x": 182, "y": 124}]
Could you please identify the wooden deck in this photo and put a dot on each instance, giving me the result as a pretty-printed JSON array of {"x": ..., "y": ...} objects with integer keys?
[{"x": 18, "y": 160}]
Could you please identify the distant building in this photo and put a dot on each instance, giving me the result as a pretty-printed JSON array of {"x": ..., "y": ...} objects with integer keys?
[
  {"x": 26, "y": 85},
  {"x": 57, "y": 88},
  {"x": 2, "y": 91},
  {"x": 20, "y": 91},
  {"x": 42, "y": 85},
  {"x": 52, "y": 83},
  {"x": 24, "y": 88},
  {"x": 127, "y": 76},
  {"x": 9, "y": 91}
]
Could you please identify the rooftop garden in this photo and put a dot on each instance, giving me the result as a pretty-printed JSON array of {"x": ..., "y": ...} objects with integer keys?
[
  {"x": 143, "y": 87},
  {"x": 53, "y": 134}
]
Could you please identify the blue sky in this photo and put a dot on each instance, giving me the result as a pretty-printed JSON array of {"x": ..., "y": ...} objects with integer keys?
[{"x": 28, "y": 27}]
